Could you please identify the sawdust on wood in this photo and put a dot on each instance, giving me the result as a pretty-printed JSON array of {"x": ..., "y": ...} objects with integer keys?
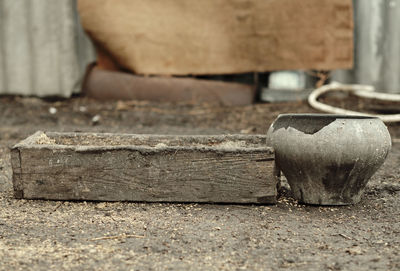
[{"x": 45, "y": 140}]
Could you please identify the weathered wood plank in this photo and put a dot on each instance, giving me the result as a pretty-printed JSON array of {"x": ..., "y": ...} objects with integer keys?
[
  {"x": 226, "y": 169},
  {"x": 114, "y": 85},
  {"x": 17, "y": 180}
]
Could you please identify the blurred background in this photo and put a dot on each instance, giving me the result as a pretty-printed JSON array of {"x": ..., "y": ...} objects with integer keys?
[{"x": 44, "y": 50}]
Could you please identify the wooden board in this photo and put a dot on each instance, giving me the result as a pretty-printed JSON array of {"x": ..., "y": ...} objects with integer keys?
[
  {"x": 149, "y": 168},
  {"x": 115, "y": 85},
  {"x": 183, "y": 37}
]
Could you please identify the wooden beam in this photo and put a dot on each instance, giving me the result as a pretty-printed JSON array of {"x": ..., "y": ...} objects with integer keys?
[
  {"x": 148, "y": 168},
  {"x": 116, "y": 85}
]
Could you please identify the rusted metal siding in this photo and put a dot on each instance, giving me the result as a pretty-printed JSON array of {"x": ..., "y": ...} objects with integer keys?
[
  {"x": 43, "y": 50},
  {"x": 377, "y": 46}
]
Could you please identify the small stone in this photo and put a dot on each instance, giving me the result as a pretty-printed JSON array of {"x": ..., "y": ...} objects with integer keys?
[
  {"x": 96, "y": 119},
  {"x": 52, "y": 110},
  {"x": 82, "y": 109},
  {"x": 101, "y": 205},
  {"x": 354, "y": 250}
]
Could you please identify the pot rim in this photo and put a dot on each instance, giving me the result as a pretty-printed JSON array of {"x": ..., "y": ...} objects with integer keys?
[{"x": 324, "y": 116}]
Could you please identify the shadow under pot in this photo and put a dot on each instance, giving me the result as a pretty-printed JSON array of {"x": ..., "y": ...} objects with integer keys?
[{"x": 328, "y": 159}]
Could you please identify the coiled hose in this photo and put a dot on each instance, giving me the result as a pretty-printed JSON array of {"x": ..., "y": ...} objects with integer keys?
[{"x": 364, "y": 91}]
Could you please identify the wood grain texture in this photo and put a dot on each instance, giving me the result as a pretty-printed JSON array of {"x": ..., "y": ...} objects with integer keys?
[
  {"x": 182, "y": 171},
  {"x": 17, "y": 180}
]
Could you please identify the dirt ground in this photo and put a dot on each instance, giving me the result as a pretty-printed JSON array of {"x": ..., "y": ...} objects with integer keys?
[{"x": 43, "y": 235}]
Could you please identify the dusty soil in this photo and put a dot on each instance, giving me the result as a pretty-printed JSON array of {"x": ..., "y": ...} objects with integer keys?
[{"x": 40, "y": 235}]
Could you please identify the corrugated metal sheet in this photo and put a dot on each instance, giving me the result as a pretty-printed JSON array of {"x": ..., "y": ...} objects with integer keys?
[
  {"x": 377, "y": 46},
  {"x": 43, "y": 50}
]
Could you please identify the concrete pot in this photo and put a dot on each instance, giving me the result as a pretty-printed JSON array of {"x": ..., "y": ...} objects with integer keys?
[{"x": 328, "y": 159}]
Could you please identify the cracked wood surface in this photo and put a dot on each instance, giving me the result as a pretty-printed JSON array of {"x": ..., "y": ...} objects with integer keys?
[{"x": 175, "y": 173}]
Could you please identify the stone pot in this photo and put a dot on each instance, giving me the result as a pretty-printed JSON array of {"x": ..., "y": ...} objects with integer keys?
[{"x": 328, "y": 159}]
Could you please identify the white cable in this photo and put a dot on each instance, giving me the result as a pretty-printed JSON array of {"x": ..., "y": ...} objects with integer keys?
[
  {"x": 378, "y": 95},
  {"x": 359, "y": 90}
]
